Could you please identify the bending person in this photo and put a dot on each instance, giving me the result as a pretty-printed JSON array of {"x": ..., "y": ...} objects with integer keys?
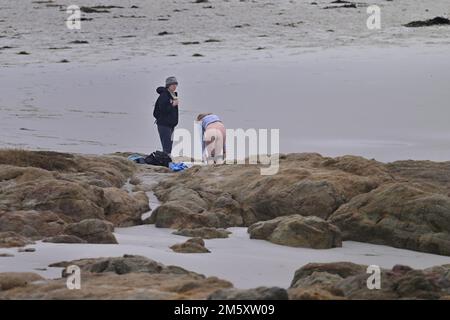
[{"x": 214, "y": 137}]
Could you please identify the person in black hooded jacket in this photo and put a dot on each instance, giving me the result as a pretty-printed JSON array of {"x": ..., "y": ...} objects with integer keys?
[{"x": 166, "y": 112}]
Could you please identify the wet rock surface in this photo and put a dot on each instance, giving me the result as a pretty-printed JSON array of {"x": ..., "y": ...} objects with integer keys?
[
  {"x": 204, "y": 233},
  {"x": 261, "y": 293},
  {"x": 64, "y": 238},
  {"x": 194, "y": 245},
  {"x": 343, "y": 280},
  {"x": 238, "y": 195},
  {"x": 127, "y": 277},
  {"x": 11, "y": 239},
  {"x": 298, "y": 231},
  {"x": 43, "y": 193},
  {"x": 402, "y": 215},
  {"x": 32, "y": 224},
  {"x": 92, "y": 231},
  {"x": 10, "y": 280},
  {"x": 404, "y": 204},
  {"x": 136, "y": 277},
  {"x": 118, "y": 265},
  {"x": 313, "y": 201}
]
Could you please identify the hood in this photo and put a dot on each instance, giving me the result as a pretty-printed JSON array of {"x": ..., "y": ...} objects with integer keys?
[{"x": 160, "y": 90}]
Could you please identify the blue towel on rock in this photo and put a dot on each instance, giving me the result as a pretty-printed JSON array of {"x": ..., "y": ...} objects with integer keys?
[
  {"x": 137, "y": 158},
  {"x": 180, "y": 166}
]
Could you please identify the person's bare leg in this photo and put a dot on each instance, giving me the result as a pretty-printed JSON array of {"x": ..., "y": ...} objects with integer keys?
[
  {"x": 210, "y": 140},
  {"x": 215, "y": 133},
  {"x": 218, "y": 150},
  {"x": 210, "y": 152}
]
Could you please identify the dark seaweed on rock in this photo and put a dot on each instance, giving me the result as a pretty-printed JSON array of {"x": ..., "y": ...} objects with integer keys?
[
  {"x": 79, "y": 42},
  {"x": 99, "y": 9},
  {"x": 437, "y": 21},
  {"x": 349, "y": 5}
]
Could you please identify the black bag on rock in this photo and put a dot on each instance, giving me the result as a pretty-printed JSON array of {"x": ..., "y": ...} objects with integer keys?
[{"x": 158, "y": 158}]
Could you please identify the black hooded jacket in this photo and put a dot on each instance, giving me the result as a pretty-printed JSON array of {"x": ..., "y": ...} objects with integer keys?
[{"x": 165, "y": 113}]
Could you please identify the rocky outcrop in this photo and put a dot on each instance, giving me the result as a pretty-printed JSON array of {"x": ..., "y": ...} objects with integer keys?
[
  {"x": 72, "y": 200},
  {"x": 204, "y": 233},
  {"x": 315, "y": 281},
  {"x": 433, "y": 176},
  {"x": 402, "y": 215},
  {"x": 174, "y": 215},
  {"x": 11, "y": 239},
  {"x": 92, "y": 231},
  {"x": 363, "y": 198},
  {"x": 32, "y": 224},
  {"x": 127, "y": 277},
  {"x": 298, "y": 231},
  {"x": 133, "y": 286},
  {"x": 341, "y": 269},
  {"x": 125, "y": 209},
  {"x": 64, "y": 238},
  {"x": 191, "y": 199},
  {"x": 238, "y": 195},
  {"x": 194, "y": 245},
  {"x": 403, "y": 204},
  {"x": 312, "y": 293},
  {"x": 137, "y": 277},
  {"x": 260, "y": 293},
  {"x": 44, "y": 192},
  {"x": 349, "y": 281},
  {"x": 74, "y": 187},
  {"x": 118, "y": 265},
  {"x": 10, "y": 280}
]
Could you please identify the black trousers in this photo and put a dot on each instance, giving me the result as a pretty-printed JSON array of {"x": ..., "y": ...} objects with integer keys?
[{"x": 165, "y": 134}]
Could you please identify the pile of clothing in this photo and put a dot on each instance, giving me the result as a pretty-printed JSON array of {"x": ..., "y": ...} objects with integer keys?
[{"x": 158, "y": 158}]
